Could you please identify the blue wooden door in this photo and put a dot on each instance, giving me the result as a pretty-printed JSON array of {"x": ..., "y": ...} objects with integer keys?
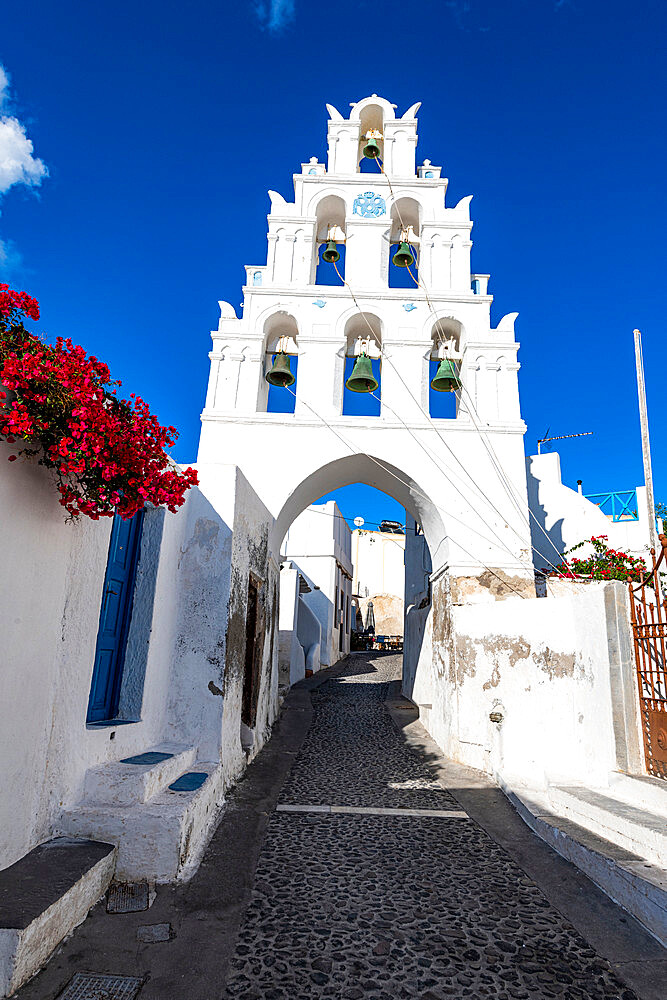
[{"x": 114, "y": 618}]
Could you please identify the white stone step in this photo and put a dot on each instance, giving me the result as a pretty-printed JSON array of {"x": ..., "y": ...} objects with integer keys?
[
  {"x": 122, "y": 783},
  {"x": 43, "y": 897},
  {"x": 161, "y": 839},
  {"x": 643, "y": 791},
  {"x": 634, "y": 883},
  {"x": 637, "y": 830}
]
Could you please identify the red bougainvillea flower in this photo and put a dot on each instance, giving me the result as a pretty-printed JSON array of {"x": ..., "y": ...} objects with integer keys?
[
  {"x": 108, "y": 454},
  {"x": 603, "y": 564}
]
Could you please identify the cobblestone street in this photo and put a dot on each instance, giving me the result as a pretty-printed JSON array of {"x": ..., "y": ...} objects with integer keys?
[
  {"x": 354, "y": 861},
  {"x": 384, "y": 906}
]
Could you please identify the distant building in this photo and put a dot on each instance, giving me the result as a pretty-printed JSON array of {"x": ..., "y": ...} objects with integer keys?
[
  {"x": 379, "y": 576},
  {"x": 318, "y": 544}
]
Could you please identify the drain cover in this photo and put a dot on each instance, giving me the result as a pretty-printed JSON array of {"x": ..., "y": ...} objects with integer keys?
[
  {"x": 150, "y": 757},
  {"x": 127, "y": 897},
  {"x": 92, "y": 986},
  {"x": 189, "y": 782}
]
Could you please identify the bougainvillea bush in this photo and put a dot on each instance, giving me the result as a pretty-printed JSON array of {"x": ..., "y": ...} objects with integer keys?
[
  {"x": 60, "y": 406},
  {"x": 602, "y": 563}
]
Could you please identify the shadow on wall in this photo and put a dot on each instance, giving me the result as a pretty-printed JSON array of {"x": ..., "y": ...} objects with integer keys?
[
  {"x": 548, "y": 543},
  {"x": 418, "y": 600},
  {"x": 306, "y": 623}
]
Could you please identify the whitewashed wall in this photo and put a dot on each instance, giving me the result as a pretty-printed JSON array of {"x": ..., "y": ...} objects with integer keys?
[
  {"x": 563, "y": 517},
  {"x": 379, "y": 563},
  {"x": 183, "y": 674},
  {"x": 559, "y": 670},
  {"x": 319, "y": 542}
]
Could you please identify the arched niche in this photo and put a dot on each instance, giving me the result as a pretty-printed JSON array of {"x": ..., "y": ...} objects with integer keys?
[
  {"x": 406, "y": 220},
  {"x": 405, "y": 213},
  {"x": 330, "y": 215},
  {"x": 364, "y": 468},
  {"x": 446, "y": 334},
  {"x": 445, "y": 342},
  {"x": 281, "y": 333},
  {"x": 281, "y": 326},
  {"x": 371, "y": 116},
  {"x": 360, "y": 328},
  {"x": 363, "y": 333}
]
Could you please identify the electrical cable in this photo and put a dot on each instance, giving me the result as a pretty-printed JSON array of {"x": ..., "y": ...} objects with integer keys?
[
  {"x": 387, "y": 358},
  {"x": 355, "y": 451},
  {"x": 508, "y": 486},
  {"x": 430, "y": 455}
]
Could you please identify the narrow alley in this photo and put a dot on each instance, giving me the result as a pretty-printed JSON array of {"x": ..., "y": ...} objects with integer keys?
[{"x": 384, "y": 872}]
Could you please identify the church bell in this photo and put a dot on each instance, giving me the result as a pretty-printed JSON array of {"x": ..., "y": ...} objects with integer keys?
[
  {"x": 371, "y": 150},
  {"x": 280, "y": 373},
  {"x": 446, "y": 378},
  {"x": 403, "y": 256},
  {"x": 330, "y": 254},
  {"x": 362, "y": 378}
]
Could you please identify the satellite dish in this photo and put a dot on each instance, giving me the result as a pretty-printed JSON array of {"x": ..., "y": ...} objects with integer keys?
[{"x": 358, "y": 521}]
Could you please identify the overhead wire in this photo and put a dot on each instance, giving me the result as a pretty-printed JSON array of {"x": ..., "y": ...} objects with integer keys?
[
  {"x": 386, "y": 357},
  {"x": 411, "y": 487},
  {"x": 508, "y": 486},
  {"x": 443, "y": 340},
  {"x": 505, "y": 481}
]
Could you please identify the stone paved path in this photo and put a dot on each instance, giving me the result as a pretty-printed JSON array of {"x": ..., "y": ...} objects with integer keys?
[{"x": 384, "y": 907}]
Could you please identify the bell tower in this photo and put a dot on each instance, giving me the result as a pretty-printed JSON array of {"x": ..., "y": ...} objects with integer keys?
[{"x": 328, "y": 294}]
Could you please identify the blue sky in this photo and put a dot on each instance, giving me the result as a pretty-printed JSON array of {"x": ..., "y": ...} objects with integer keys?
[{"x": 162, "y": 125}]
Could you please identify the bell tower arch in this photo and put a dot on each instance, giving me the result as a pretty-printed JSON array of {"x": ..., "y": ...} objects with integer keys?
[{"x": 464, "y": 472}]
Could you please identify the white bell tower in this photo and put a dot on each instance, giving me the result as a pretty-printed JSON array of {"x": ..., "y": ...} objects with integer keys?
[{"x": 445, "y": 470}]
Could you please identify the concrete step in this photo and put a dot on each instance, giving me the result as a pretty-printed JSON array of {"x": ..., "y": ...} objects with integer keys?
[
  {"x": 42, "y": 899},
  {"x": 636, "y": 884},
  {"x": 640, "y": 831},
  {"x": 139, "y": 778},
  {"x": 642, "y": 791},
  {"x": 161, "y": 839}
]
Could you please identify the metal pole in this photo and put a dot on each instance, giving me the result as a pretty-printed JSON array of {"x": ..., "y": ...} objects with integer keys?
[{"x": 646, "y": 446}]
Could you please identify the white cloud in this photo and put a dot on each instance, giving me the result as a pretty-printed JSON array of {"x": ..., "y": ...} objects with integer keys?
[
  {"x": 18, "y": 165},
  {"x": 4, "y": 86},
  {"x": 274, "y": 15},
  {"x": 10, "y": 258}
]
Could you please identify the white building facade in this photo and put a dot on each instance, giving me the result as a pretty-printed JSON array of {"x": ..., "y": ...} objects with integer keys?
[{"x": 318, "y": 546}]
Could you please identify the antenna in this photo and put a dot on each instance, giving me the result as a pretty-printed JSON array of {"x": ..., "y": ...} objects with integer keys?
[{"x": 561, "y": 437}]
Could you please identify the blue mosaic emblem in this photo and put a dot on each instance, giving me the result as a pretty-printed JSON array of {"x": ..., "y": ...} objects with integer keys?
[
  {"x": 409, "y": 306},
  {"x": 320, "y": 303},
  {"x": 369, "y": 205}
]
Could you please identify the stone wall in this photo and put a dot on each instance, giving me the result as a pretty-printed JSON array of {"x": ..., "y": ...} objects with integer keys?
[{"x": 557, "y": 672}]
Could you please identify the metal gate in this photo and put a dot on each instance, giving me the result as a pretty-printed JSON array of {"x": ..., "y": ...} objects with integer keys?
[{"x": 648, "y": 613}]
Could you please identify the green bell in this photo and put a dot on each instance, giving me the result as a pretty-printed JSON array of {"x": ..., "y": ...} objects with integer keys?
[
  {"x": 280, "y": 373},
  {"x": 403, "y": 256},
  {"x": 371, "y": 150},
  {"x": 446, "y": 378},
  {"x": 362, "y": 378},
  {"x": 330, "y": 254}
]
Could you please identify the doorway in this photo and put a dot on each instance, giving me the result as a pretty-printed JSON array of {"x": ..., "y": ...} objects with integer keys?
[
  {"x": 115, "y": 616},
  {"x": 254, "y": 634}
]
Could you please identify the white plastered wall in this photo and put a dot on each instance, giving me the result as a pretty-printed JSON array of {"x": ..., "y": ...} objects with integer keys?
[
  {"x": 318, "y": 542},
  {"x": 568, "y": 518},
  {"x": 558, "y": 670},
  {"x": 51, "y": 594}
]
